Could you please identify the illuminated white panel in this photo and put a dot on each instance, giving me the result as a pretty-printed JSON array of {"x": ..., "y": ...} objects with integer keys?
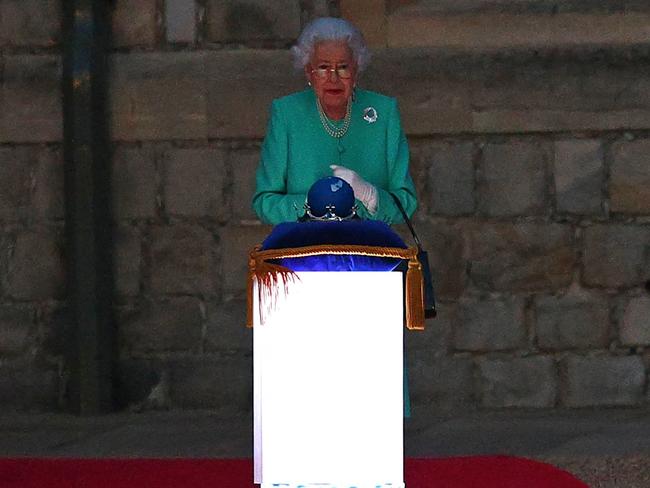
[{"x": 328, "y": 399}]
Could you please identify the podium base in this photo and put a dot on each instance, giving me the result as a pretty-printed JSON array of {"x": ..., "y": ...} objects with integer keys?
[{"x": 328, "y": 383}]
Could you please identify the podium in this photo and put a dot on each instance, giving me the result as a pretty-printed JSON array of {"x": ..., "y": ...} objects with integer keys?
[{"x": 328, "y": 382}]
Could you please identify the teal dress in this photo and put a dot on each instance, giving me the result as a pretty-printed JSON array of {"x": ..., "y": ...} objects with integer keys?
[{"x": 297, "y": 151}]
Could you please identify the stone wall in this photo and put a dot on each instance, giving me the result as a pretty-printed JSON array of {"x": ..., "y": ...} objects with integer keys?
[
  {"x": 32, "y": 270},
  {"x": 530, "y": 160}
]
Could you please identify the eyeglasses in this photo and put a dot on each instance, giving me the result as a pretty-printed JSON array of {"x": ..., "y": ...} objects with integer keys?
[{"x": 342, "y": 71}]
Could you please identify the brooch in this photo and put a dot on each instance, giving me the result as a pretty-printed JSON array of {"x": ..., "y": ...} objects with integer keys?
[{"x": 370, "y": 115}]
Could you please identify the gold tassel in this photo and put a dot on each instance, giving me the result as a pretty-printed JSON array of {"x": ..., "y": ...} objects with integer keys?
[{"x": 414, "y": 295}]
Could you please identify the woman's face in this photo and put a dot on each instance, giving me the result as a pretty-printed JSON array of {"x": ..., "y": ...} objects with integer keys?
[{"x": 332, "y": 58}]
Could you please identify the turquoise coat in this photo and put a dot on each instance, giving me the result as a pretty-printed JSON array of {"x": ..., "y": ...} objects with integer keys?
[{"x": 297, "y": 151}]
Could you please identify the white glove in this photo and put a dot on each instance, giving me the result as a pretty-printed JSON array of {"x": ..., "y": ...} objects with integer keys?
[{"x": 363, "y": 191}]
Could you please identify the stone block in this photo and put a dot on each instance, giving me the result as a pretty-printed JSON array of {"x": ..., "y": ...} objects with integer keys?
[
  {"x": 512, "y": 180},
  {"x": 241, "y": 86},
  {"x": 7, "y": 245},
  {"x": 538, "y": 120},
  {"x": 180, "y": 20},
  {"x": 36, "y": 269},
  {"x": 31, "y": 183},
  {"x": 616, "y": 255},
  {"x": 603, "y": 381},
  {"x": 312, "y": 9},
  {"x": 521, "y": 257},
  {"x": 226, "y": 327},
  {"x": 243, "y": 164},
  {"x": 530, "y": 382},
  {"x": 490, "y": 325},
  {"x": 444, "y": 243},
  {"x": 419, "y": 167},
  {"x": 127, "y": 261},
  {"x": 510, "y": 30},
  {"x": 173, "y": 325},
  {"x": 28, "y": 388},
  {"x": 30, "y": 23},
  {"x": 142, "y": 384},
  {"x": 48, "y": 197},
  {"x": 135, "y": 23},
  {"x": 236, "y": 242},
  {"x": 183, "y": 260},
  {"x": 436, "y": 338},
  {"x": 223, "y": 383},
  {"x": 577, "y": 319},
  {"x": 634, "y": 327},
  {"x": 514, "y": 92},
  {"x": 16, "y": 325},
  {"x": 421, "y": 90},
  {"x": 451, "y": 179},
  {"x": 443, "y": 384},
  {"x": 56, "y": 330},
  {"x": 252, "y": 20},
  {"x": 194, "y": 182},
  {"x": 134, "y": 183},
  {"x": 629, "y": 183},
  {"x": 370, "y": 18},
  {"x": 159, "y": 96},
  {"x": 516, "y": 6},
  {"x": 30, "y": 96},
  {"x": 15, "y": 184},
  {"x": 579, "y": 174}
]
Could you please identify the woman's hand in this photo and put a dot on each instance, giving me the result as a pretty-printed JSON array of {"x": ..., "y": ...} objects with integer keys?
[{"x": 363, "y": 191}]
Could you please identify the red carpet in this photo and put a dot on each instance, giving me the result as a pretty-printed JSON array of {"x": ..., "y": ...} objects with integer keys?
[{"x": 460, "y": 472}]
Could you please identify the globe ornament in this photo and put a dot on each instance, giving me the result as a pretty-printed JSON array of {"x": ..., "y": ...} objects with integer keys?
[{"x": 330, "y": 199}]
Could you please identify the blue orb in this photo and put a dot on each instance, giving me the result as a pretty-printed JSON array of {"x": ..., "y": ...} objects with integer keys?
[{"x": 330, "y": 194}]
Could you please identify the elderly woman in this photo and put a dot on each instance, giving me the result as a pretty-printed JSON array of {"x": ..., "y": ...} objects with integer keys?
[{"x": 333, "y": 128}]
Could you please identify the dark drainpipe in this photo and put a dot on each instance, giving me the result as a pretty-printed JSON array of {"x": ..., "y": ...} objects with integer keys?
[{"x": 87, "y": 152}]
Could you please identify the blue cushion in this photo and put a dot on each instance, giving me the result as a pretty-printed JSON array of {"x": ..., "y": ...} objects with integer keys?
[{"x": 354, "y": 232}]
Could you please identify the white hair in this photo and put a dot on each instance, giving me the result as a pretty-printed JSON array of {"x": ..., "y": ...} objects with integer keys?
[{"x": 330, "y": 29}]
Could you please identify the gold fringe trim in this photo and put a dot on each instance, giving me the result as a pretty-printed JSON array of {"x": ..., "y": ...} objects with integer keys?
[{"x": 269, "y": 276}]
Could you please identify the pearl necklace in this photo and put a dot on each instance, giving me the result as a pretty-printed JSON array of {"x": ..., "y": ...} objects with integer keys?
[{"x": 331, "y": 129}]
